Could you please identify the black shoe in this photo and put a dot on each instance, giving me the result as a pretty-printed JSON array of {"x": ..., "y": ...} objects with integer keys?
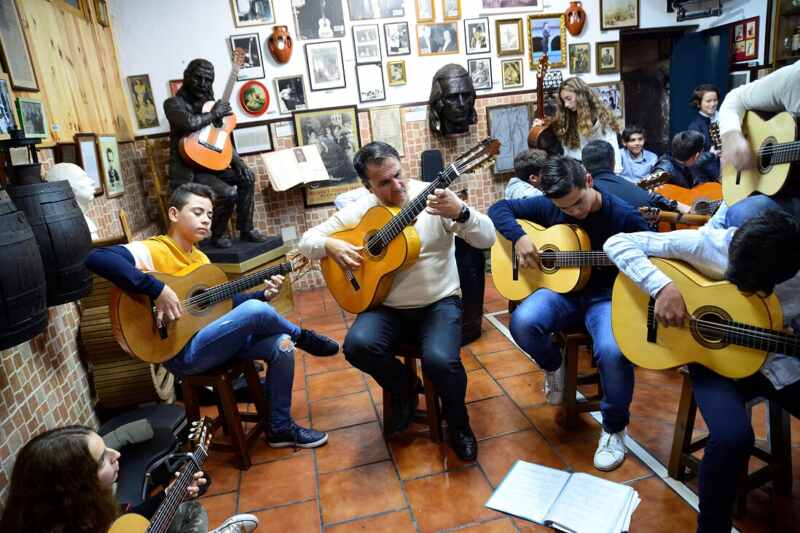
[
  {"x": 221, "y": 242},
  {"x": 297, "y": 437},
  {"x": 464, "y": 444},
  {"x": 316, "y": 344},
  {"x": 403, "y": 409},
  {"x": 253, "y": 236}
]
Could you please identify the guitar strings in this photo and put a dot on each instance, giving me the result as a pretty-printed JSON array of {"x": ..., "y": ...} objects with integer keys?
[
  {"x": 232, "y": 287},
  {"x": 166, "y": 513}
]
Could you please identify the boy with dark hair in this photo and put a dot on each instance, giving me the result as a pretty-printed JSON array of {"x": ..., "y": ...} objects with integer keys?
[
  {"x": 527, "y": 167},
  {"x": 253, "y": 329},
  {"x": 688, "y": 165},
  {"x": 755, "y": 257},
  {"x": 637, "y": 163},
  {"x": 570, "y": 198}
]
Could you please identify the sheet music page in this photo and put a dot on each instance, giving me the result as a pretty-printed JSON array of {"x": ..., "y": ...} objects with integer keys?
[
  {"x": 528, "y": 491},
  {"x": 591, "y": 504}
]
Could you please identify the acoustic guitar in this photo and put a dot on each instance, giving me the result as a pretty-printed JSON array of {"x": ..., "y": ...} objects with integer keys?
[
  {"x": 205, "y": 295},
  {"x": 730, "y": 333},
  {"x": 389, "y": 240},
  {"x": 703, "y": 199},
  {"x": 775, "y": 146},
  {"x": 566, "y": 259},
  {"x": 542, "y": 136},
  {"x": 200, "y": 436},
  {"x": 210, "y": 147}
]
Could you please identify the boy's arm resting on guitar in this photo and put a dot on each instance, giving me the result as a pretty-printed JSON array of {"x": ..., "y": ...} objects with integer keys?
[
  {"x": 117, "y": 264},
  {"x": 505, "y": 212},
  {"x": 181, "y": 118},
  {"x": 630, "y": 251}
]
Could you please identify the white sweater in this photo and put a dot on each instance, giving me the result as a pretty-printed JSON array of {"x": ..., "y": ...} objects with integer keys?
[
  {"x": 597, "y": 134},
  {"x": 434, "y": 276}
]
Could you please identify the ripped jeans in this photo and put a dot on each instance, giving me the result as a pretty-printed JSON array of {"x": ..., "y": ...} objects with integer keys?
[{"x": 251, "y": 330}]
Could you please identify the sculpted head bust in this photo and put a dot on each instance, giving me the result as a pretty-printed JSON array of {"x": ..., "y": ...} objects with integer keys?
[
  {"x": 198, "y": 80},
  {"x": 451, "y": 107}
]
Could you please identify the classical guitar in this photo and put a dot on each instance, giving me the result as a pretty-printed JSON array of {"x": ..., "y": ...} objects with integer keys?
[
  {"x": 390, "y": 242},
  {"x": 205, "y": 295},
  {"x": 542, "y": 136},
  {"x": 775, "y": 146},
  {"x": 210, "y": 147},
  {"x": 200, "y": 436},
  {"x": 675, "y": 220},
  {"x": 704, "y": 199},
  {"x": 566, "y": 259},
  {"x": 713, "y": 133},
  {"x": 728, "y": 332}
]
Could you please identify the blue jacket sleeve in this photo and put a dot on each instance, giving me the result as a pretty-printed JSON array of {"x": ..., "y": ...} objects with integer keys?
[
  {"x": 244, "y": 296},
  {"x": 505, "y": 212},
  {"x": 116, "y": 264}
]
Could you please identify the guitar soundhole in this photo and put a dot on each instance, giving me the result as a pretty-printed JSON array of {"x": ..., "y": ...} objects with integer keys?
[
  {"x": 765, "y": 154},
  {"x": 703, "y": 329},
  {"x": 200, "y": 303},
  {"x": 547, "y": 260},
  {"x": 373, "y": 246}
]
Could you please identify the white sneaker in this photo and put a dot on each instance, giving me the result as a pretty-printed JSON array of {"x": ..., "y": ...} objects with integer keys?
[
  {"x": 610, "y": 451},
  {"x": 554, "y": 385},
  {"x": 238, "y": 523}
]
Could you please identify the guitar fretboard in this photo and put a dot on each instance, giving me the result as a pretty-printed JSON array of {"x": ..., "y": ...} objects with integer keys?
[
  {"x": 176, "y": 494},
  {"x": 776, "y": 154},
  {"x": 227, "y": 290},
  {"x": 573, "y": 259}
]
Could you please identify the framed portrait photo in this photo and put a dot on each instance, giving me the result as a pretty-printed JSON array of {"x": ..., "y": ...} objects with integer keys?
[
  {"x": 396, "y": 72},
  {"x": 451, "y": 9},
  {"x": 744, "y": 40},
  {"x": 291, "y": 94},
  {"x": 253, "y": 66},
  {"x": 580, "y": 58},
  {"x": 375, "y": 9},
  {"x": 509, "y": 124},
  {"x": 607, "y": 59},
  {"x": 144, "y": 107},
  {"x": 480, "y": 70},
  {"x": 325, "y": 65},
  {"x": 437, "y": 39},
  {"x": 315, "y": 21},
  {"x": 8, "y": 119},
  {"x": 618, "y": 14},
  {"x": 254, "y": 98},
  {"x": 367, "y": 43},
  {"x": 252, "y": 139},
  {"x": 738, "y": 78},
  {"x": 32, "y": 119},
  {"x": 14, "y": 47},
  {"x": 174, "y": 86},
  {"x": 494, "y": 7},
  {"x": 370, "y": 82},
  {"x": 252, "y": 12},
  {"x": 547, "y": 35},
  {"x": 510, "y": 40},
  {"x": 512, "y": 73},
  {"x": 476, "y": 34},
  {"x": 612, "y": 95},
  {"x": 101, "y": 12},
  {"x": 110, "y": 169},
  {"x": 426, "y": 10},
  {"x": 88, "y": 159},
  {"x": 397, "y": 38}
]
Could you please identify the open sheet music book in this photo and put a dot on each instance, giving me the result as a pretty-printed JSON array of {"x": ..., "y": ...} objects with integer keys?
[
  {"x": 294, "y": 166},
  {"x": 577, "y": 503}
]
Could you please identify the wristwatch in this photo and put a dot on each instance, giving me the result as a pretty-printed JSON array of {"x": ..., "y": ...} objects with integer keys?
[{"x": 463, "y": 216}]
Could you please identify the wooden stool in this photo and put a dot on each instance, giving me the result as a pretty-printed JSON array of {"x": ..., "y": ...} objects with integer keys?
[
  {"x": 433, "y": 412},
  {"x": 778, "y": 469},
  {"x": 572, "y": 339},
  {"x": 230, "y": 418}
]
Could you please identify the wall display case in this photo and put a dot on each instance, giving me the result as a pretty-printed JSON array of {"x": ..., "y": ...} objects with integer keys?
[{"x": 786, "y": 40}]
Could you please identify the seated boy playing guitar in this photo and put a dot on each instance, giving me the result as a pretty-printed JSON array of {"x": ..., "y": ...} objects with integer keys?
[{"x": 252, "y": 330}]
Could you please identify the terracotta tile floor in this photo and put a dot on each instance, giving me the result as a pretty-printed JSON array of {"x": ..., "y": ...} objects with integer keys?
[{"x": 359, "y": 482}]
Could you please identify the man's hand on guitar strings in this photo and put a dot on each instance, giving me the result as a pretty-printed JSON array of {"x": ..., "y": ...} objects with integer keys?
[
  {"x": 273, "y": 286},
  {"x": 527, "y": 254},
  {"x": 444, "y": 203},
  {"x": 670, "y": 309},
  {"x": 346, "y": 255},
  {"x": 168, "y": 306},
  {"x": 736, "y": 151}
]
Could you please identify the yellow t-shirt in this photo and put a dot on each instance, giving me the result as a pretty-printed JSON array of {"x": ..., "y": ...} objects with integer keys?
[{"x": 162, "y": 254}]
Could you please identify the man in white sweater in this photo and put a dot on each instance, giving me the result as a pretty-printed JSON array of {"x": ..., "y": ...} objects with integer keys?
[{"x": 424, "y": 303}]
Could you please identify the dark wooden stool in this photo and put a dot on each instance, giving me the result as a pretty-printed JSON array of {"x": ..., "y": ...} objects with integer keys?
[
  {"x": 572, "y": 339},
  {"x": 778, "y": 468},
  {"x": 433, "y": 411},
  {"x": 230, "y": 418}
]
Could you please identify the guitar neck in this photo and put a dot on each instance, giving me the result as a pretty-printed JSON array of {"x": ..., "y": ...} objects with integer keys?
[
  {"x": 777, "y": 154},
  {"x": 226, "y": 94},
  {"x": 227, "y": 290},
  {"x": 752, "y": 337},
  {"x": 177, "y": 493},
  {"x": 574, "y": 259}
]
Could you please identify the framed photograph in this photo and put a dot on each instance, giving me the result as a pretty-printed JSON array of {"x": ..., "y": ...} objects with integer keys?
[
  {"x": 437, "y": 39},
  {"x": 508, "y": 33},
  {"x": 396, "y": 72},
  {"x": 386, "y": 125},
  {"x": 335, "y": 133},
  {"x": 451, "y": 9},
  {"x": 607, "y": 59},
  {"x": 174, "y": 86},
  {"x": 370, "y": 82},
  {"x": 252, "y": 12},
  {"x": 101, "y": 12},
  {"x": 325, "y": 65},
  {"x": 291, "y": 93},
  {"x": 14, "y": 47},
  {"x": 613, "y": 96},
  {"x": 476, "y": 34},
  {"x": 492, "y": 7},
  {"x": 88, "y": 158},
  {"x": 744, "y": 40},
  {"x": 252, "y": 139},
  {"x": 76, "y": 7},
  {"x": 254, "y": 98},
  {"x": 512, "y": 72},
  {"x": 367, "y": 44},
  {"x": 397, "y": 38},
  {"x": 509, "y": 124},
  {"x": 8, "y": 120},
  {"x": 65, "y": 153},
  {"x": 109, "y": 165},
  {"x": 32, "y": 119},
  {"x": 375, "y": 9},
  {"x": 253, "y": 66},
  {"x": 426, "y": 10},
  {"x": 480, "y": 70},
  {"x": 144, "y": 107},
  {"x": 738, "y": 78},
  {"x": 694, "y": 10},
  {"x": 547, "y": 35},
  {"x": 580, "y": 58},
  {"x": 618, "y": 14},
  {"x": 315, "y": 20}
]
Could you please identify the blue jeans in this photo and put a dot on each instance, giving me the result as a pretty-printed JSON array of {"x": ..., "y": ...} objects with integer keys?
[
  {"x": 251, "y": 330},
  {"x": 545, "y": 312},
  {"x": 369, "y": 346},
  {"x": 722, "y": 401},
  {"x": 754, "y": 205}
]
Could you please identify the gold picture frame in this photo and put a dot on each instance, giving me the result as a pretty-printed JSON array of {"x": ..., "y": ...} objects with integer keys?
[
  {"x": 396, "y": 73},
  {"x": 507, "y": 38},
  {"x": 447, "y": 10},
  {"x": 8, "y": 115},
  {"x": 606, "y": 57},
  {"x": 426, "y": 10},
  {"x": 540, "y": 29}
]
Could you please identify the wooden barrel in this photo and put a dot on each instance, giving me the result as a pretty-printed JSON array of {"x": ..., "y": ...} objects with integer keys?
[
  {"x": 62, "y": 234},
  {"x": 23, "y": 308}
]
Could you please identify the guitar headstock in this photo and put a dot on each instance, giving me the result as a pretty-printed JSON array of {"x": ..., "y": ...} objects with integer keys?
[
  {"x": 480, "y": 154},
  {"x": 200, "y": 434},
  {"x": 656, "y": 179},
  {"x": 542, "y": 66},
  {"x": 299, "y": 262}
]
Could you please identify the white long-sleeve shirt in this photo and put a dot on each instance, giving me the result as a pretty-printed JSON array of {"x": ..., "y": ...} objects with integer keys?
[
  {"x": 706, "y": 249},
  {"x": 598, "y": 133},
  {"x": 778, "y": 91},
  {"x": 434, "y": 275}
]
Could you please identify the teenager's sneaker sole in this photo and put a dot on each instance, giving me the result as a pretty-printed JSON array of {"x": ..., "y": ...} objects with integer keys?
[{"x": 293, "y": 444}]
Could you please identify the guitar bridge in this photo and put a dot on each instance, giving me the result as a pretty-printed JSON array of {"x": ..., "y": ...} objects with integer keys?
[
  {"x": 352, "y": 279},
  {"x": 652, "y": 323},
  {"x": 211, "y": 147},
  {"x": 162, "y": 327}
]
